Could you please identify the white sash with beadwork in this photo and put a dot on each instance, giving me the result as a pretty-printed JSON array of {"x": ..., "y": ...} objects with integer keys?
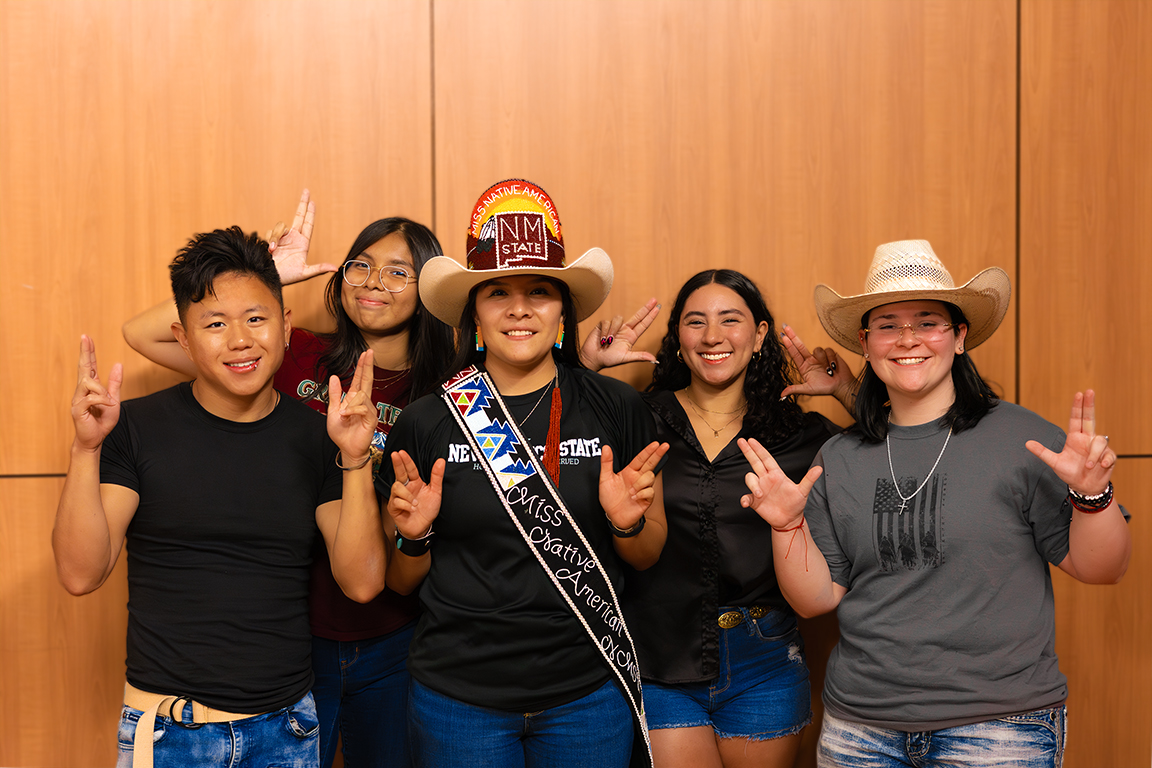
[{"x": 562, "y": 551}]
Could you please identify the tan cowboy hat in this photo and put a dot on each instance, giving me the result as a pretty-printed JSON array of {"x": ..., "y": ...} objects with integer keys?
[
  {"x": 908, "y": 270},
  {"x": 514, "y": 230}
]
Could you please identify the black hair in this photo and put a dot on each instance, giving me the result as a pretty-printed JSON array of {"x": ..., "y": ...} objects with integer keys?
[
  {"x": 974, "y": 397},
  {"x": 429, "y": 340},
  {"x": 768, "y": 372},
  {"x": 467, "y": 354},
  {"x": 221, "y": 251}
]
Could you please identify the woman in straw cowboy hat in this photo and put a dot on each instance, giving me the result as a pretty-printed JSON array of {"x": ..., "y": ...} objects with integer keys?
[
  {"x": 518, "y": 494},
  {"x": 936, "y": 518}
]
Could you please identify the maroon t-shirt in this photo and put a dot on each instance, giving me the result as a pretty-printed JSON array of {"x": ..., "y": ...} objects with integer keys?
[{"x": 333, "y": 615}]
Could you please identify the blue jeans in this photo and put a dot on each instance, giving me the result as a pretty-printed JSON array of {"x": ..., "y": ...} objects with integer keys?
[
  {"x": 287, "y": 738},
  {"x": 361, "y": 689},
  {"x": 762, "y": 691},
  {"x": 1031, "y": 740},
  {"x": 592, "y": 732}
]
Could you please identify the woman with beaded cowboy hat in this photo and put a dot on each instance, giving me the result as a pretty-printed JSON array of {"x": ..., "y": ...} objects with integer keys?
[
  {"x": 930, "y": 526},
  {"x": 518, "y": 493}
]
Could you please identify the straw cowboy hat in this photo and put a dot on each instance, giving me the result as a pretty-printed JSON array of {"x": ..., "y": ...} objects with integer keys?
[
  {"x": 908, "y": 270},
  {"x": 514, "y": 230}
]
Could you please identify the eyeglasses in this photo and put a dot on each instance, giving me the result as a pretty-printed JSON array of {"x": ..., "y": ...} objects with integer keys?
[
  {"x": 392, "y": 278},
  {"x": 925, "y": 330}
]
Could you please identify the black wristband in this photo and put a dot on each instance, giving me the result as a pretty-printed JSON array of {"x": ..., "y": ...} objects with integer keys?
[
  {"x": 414, "y": 547},
  {"x": 622, "y": 533}
]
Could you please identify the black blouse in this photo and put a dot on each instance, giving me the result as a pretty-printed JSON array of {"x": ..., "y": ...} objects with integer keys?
[{"x": 717, "y": 553}]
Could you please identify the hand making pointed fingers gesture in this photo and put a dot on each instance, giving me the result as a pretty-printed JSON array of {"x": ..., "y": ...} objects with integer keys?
[
  {"x": 627, "y": 494},
  {"x": 823, "y": 371},
  {"x": 414, "y": 504},
  {"x": 352, "y": 417},
  {"x": 289, "y": 248},
  {"x": 1086, "y": 462},
  {"x": 95, "y": 409},
  {"x": 773, "y": 495},
  {"x": 612, "y": 342}
]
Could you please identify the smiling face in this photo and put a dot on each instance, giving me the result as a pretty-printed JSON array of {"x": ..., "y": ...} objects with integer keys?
[
  {"x": 235, "y": 337},
  {"x": 916, "y": 368},
  {"x": 718, "y": 336},
  {"x": 375, "y": 311},
  {"x": 519, "y": 318}
]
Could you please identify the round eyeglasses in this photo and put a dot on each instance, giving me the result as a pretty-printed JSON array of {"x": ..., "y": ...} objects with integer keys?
[
  {"x": 925, "y": 330},
  {"x": 392, "y": 278}
]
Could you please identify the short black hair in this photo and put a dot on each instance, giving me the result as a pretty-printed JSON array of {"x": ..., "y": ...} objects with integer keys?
[{"x": 221, "y": 251}]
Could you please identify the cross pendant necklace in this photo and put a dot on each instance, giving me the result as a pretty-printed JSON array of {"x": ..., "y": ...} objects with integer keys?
[{"x": 896, "y": 483}]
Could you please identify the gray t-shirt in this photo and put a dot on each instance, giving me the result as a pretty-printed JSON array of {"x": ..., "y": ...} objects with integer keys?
[{"x": 949, "y": 617}]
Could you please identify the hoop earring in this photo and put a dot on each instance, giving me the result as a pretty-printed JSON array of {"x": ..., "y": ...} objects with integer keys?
[
  {"x": 479, "y": 341},
  {"x": 560, "y": 339},
  {"x": 678, "y": 356}
]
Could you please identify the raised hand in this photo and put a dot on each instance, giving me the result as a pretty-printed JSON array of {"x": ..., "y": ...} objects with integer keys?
[
  {"x": 626, "y": 495},
  {"x": 414, "y": 504},
  {"x": 95, "y": 409},
  {"x": 823, "y": 371},
  {"x": 611, "y": 342},
  {"x": 1086, "y": 462},
  {"x": 289, "y": 248},
  {"x": 352, "y": 418},
  {"x": 773, "y": 495}
]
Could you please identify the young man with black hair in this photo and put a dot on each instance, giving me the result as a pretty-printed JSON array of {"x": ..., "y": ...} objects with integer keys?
[{"x": 219, "y": 486}]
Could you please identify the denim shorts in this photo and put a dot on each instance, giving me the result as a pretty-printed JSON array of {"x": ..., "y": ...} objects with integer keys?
[
  {"x": 762, "y": 691},
  {"x": 591, "y": 732},
  {"x": 286, "y": 738},
  {"x": 1031, "y": 740}
]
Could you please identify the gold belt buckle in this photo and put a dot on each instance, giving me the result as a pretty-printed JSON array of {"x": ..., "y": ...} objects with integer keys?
[
  {"x": 757, "y": 611},
  {"x": 731, "y": 619}
]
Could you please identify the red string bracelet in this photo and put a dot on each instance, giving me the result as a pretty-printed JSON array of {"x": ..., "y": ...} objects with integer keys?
[{"x": 795, "y": 531}]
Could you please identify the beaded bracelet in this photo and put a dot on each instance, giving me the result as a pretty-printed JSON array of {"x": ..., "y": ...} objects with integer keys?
[
  {"x": 627, "y": 533},
  {"x": 1092, "y": 504}
]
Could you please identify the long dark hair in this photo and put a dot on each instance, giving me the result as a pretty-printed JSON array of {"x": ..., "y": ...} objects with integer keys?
[
  {"x": 429, "y": 340},
  {"x": 768, "y": 372},
  {"x": 974, "y": 397},
  {"x": 467, "y": 355}
]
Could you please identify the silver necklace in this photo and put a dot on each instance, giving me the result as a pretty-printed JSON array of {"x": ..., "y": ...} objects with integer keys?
[{"x": 905, "y": 499}]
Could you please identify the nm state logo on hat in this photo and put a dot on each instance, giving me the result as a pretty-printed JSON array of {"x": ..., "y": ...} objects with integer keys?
[{"x": 515, "y": 224}]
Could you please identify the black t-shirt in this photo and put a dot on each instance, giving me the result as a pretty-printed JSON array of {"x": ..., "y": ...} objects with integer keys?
[
  {"x": 717, "y": 553},
  {"x": 219, "y": 547},
  {"x": 495, "y": 631}
]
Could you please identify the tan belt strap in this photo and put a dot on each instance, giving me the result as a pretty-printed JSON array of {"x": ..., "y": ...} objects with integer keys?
[{"x": 150, "y": 704}]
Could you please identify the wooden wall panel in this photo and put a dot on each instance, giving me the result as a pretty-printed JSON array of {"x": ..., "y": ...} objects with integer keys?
[
  {"x": 1086, "y": 211},
  {"x": 1102, "y": 639},
  {"x": 126, "y": 126},
  {"x": 784, "y": 139}
]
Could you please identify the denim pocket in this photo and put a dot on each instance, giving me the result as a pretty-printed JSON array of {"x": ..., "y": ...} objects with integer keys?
[
  {"x": 775, "y": 626},
  {"x": 300, "y": 719},
  {"x": 126, "y": 734}
]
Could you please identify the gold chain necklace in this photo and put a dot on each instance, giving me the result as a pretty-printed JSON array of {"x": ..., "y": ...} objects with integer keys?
[{"x": 715, "y": 432}]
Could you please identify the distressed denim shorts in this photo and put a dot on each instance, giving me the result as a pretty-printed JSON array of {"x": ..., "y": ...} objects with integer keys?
[
  {"x": 762, "y": 691},
  {"x": 1029, "y": 740},
  {"x": 286, "y": 738}
]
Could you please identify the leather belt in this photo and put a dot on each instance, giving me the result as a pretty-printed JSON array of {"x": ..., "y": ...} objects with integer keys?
[
  {"x": 730, "y": 619},
  {"x": 150, "y": 703}
]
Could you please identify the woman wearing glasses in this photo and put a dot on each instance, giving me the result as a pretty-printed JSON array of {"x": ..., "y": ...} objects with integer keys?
[
  {"x": 937, "y": 517},
  {"x": 359, "y": 652}
]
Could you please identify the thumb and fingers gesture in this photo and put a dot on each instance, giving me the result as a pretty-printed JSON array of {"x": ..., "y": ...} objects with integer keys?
[
  {"x": 823, "y": 371},
  {"x": 289, "y": 248},
  {"x": 352, "y": 417},
  {"x": 1086, "y": 462},
  {"x": 627, "y": 494},
  {"x": 414, "y": 504},
  {"x": 612, "y": 342},
  {"x": 95, "y": 408},
  {"x": 773, "y": 495}
]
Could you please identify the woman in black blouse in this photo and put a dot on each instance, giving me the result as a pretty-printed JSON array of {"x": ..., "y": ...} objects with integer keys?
[{"x": 725, "y": 681}]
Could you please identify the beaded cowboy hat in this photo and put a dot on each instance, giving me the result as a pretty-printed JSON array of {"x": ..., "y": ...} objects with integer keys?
[
  {"x": 514, "y": 230},
  {"x": 909, "y": 270}
]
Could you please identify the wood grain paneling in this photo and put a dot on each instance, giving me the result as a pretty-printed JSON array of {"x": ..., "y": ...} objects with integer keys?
[
  {"x": 1086, "y": 211},
  {"x": 784, "y": 139},
  {"x": 1102, "y": 639},
  {"x": 62, "y": 679},
  {"x": 126, "y": 126}
]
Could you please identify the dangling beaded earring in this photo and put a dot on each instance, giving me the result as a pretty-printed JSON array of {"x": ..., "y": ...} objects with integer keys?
[
  {"x": 479, "y": 341},
  {"x": 560, "y": 338}
]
